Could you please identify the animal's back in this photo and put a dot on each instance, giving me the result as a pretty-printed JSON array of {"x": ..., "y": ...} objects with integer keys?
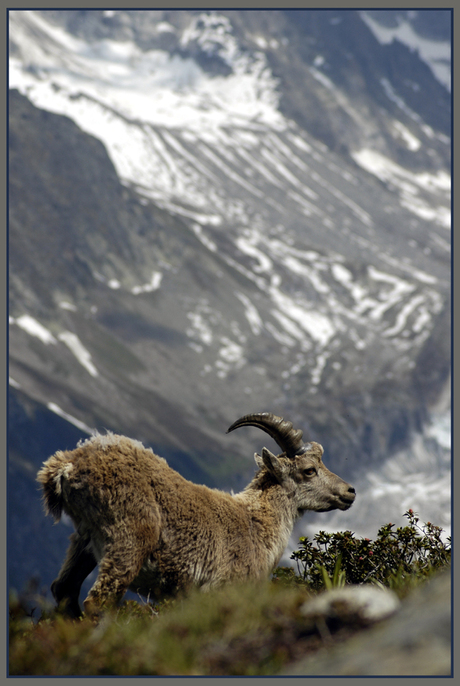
[
  {"x": 112, "y": 487},
  {"x": 106, "y": 477},
  {"x": 112, "y": 478}
]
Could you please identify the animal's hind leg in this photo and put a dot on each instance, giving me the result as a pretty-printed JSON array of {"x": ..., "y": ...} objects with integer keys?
[
  {"x": 118, "y": 567},
  {"x": 78, "y": 563}
]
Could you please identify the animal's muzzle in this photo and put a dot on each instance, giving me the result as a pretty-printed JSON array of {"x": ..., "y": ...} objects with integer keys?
[{"x": 348, "y": 498}]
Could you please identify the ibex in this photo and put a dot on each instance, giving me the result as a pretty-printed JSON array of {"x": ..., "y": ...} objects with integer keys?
[{"x": 154, "y": 532}]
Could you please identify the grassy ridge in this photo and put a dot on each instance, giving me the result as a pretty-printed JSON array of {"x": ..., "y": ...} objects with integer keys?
[{"x": 242, "y": 629}]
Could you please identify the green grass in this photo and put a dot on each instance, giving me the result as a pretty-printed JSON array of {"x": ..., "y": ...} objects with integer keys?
[{"x": 242, "y": 629}]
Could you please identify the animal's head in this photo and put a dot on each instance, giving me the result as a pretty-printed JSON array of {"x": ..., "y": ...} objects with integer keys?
[{"x": 299, "y": 468}]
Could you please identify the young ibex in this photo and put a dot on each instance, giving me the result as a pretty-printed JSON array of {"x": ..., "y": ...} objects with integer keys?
[{"x": 154, "y": 532}]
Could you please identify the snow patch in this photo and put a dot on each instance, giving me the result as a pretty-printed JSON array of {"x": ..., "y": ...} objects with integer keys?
[
  {"x": 388, "y": 298},
  {"x": 282, "y": 338},
  {"x": 151, "y": 85},
  {"x": 437, "y": 54},
  {"x": 409, "y": 184},
  {"x": 34, "y": 328},
  {"x": 232, "y": 357},
  {"x": 300, "y": 142},
  {"x": 68, "y": 417},
  {"x": 207, "y": 242},
  {"x": 317, "y": 371},
  {"x": 412, "y": 143},
  {"x": 251, "y": 313},
  {"x": 165, "y": 27},
  {"x": 77, "y": 348},
  {"x": 153, "y": 285},
  {"x": 298, "y": 318},
  {"x": 231, "y": 352},
  {"x": 247, "y": 246},
  {"x": 200, "y": 328},
  {"x": 403, "y": 314},
  {"x": 65, "y": 305}
]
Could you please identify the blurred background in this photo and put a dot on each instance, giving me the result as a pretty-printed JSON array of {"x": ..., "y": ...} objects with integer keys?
[{"x": 220, "y": 212}]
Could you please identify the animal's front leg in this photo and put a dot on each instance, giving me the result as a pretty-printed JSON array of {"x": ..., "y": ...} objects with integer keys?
[{"x": 118, "y": 567}]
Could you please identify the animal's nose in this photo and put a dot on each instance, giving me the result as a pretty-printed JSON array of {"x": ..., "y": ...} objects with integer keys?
[{"x": 351, "y": 490}]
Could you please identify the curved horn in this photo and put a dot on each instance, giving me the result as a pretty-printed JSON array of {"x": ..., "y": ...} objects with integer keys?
[{"x": 289, "y": 439}]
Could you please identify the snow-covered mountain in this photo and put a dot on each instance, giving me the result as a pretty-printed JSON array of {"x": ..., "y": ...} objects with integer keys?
[{"x": 218, "y": 212}]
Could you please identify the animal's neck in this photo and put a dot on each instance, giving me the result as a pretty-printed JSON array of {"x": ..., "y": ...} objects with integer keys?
[
  {"x": 269, "y": 492},
  {"x": 271, "y": 509},
  {"x": 276, "y": 501}
]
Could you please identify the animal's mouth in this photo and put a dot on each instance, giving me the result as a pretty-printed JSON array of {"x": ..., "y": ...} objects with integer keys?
[
  {"x": 340, "y": 503},
  {"x": 337, "y": 502},
  {"x": 346, "y": 503}
]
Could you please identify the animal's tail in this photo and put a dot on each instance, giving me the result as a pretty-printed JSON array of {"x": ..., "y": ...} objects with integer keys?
[{"x": 51, "y": 476}]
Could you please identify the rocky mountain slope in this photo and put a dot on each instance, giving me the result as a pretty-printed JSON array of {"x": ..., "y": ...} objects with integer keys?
[{"x": 213, "y": 213}]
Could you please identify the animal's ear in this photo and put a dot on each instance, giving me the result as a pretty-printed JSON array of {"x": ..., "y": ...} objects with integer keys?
[
  {"x": 274, "y": 465},
  {"x": 259, "y": 461}
]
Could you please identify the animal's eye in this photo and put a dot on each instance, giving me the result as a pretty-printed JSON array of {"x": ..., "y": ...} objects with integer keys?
[{"x": 309, "y": 472}]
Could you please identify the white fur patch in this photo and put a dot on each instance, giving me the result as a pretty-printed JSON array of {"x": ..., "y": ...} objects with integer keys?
[
  {"x": 109, "y": 440},
  {"x": 63, "y": 473}
]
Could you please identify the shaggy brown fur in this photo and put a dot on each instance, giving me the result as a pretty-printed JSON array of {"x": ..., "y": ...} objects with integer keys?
[{"x": 152, "y": 531}]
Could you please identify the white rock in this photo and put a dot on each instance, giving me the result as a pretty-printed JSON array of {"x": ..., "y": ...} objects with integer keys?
[{"x": 363, "y": 603}]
